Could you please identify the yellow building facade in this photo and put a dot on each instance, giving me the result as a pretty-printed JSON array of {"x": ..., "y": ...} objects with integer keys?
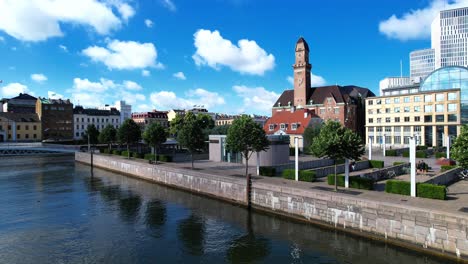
[{"x": 19, "y": 127}]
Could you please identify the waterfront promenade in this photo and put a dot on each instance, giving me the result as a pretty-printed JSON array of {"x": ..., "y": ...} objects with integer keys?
[{"x": 421, "y": 224}]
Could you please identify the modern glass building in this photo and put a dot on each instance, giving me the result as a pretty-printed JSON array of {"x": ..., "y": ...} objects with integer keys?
[{"x": 421, "y": 64}]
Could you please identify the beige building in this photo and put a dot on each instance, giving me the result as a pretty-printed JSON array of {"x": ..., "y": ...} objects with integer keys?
[
  {"x": 17, "y": 127},
  {"x": 426, "y": 115}
]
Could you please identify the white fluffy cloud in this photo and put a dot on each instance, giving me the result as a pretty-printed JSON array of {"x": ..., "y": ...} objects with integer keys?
[
  {"x": 63, "y": 47},
  {"x": 38, "y": 20},
  {"x": 130, "y": 85},
  {"x": 38, "y": 77},
  {"x": 169, "y": 5},
  {"x": 125, "y": 55},
  {"x": 14, "y": 89},
  {"x": 416, "y": 24},
  {"x": 145, "y": 73},
  {"x": 315, "y": 80},
  {"x": 245, "y": 57},
  {"x": 180, "y": 76},
  {"x": 169, "y": 100},
  {"x": 149, "y": 23},
  {"x": 54, "y": 95},
  {"x": 256, "y": 98}
]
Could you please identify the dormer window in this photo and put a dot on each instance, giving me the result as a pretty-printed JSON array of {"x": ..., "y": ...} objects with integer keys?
[
  {"x": 329, "y": 100},
  {"x": 289, "y": 103},
  {"x": 272, "y": 127},
  {"x": 311, "y": 102},
  {"x": 294, "y": 126},
  {"x": 283, "y": 126}
]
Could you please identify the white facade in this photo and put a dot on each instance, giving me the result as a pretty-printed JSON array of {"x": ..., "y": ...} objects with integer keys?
[
  {"x": 99, "y": 118},
  {"x": 393, "y": 82},
  {"x": 125, "y": 110},
  {"x": 422, "y": 63}
]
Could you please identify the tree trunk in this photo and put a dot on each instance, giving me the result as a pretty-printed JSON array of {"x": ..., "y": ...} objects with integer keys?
[
  {"x": 336, "y": 179},
  {"x": 247, "y": 176},
  {"x": 155, "y": 155},
  {"x": 128, "y": 151},
  {"x": 191, "y": 156}
]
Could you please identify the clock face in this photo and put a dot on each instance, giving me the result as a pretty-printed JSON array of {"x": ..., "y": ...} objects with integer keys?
[{"x": 300, "y": 80}]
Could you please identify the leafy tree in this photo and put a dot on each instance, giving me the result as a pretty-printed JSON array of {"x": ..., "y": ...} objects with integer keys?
[
  {"x": 459, "y": 149},
  {"x": 246, "y": 136},
  {"x": 176, "y": 124},
  {"x": 155, "y": 135},
  {"x": 190, "y": 134},
  {"x": 129, "y": 132},
  {"x": 205, "y": 121},
  {"x": 108, "y": 135},
  {"x": 93, "y": 133},
  {"x": 310, "y": 133},
  {"x": 337, "y": 142},
  {"x": 219, "y": 130}
]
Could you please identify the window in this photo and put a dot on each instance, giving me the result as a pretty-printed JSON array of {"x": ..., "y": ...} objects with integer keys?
[
  {"x": 370, "y": 129},
  {"x": 417, "y": 99},
  {"x": 9, "y": 127},
  {"x": 378, "y": 111},
  {"x": 396, "y": 100},
  {"x": 428, "y": 108},
  {"x": 396, "y": 110},
  {"x": 452, "y": 118},
  {"x": 406, "y": 109},
  {"x": 93, "y": 119},
  {"x": 428, "y": 98},
  {"x": 371, "y": 120},
  {"x": 27, "y": 127},
  {"x": 82, "y": 126},
  {"x": 329, "y": 100},
  {"x": 417, "y": 109},
  {"x": 34, "y": 136},
  {"x": 370, "y": 112},
  {"x": 406, "y": 129},
  {"x": 337, "y": 110},
  {"x": 452, "y": 96},
  {"x": 27, "y": 135},
  {"x": 397, "y": 129},
  {"x": 77, "y": 119},
  {"x": 388, "y": 129},
  {"x": 397, "y": 140},
  {"x": 452, "y": 107},
  {"x": 18, "y": 127},
  {"x": 440, "y": 118},
  {"x": 439, "y": 108},
  {"x": 88, "y": 119},
  {"x": 322, "y": 111},
  {"x": 18, "y": 136},
  {"x": 294, "y": 126},
  {"x": 379, "y": 129},
  {"x": 417, "y": 119},
  {"x": 283, "y": 126},
  {"x": 407, "y": 118},
  {"x": 387, "y": 101},
  {"x": 387, "y": 120},
  {"x": 397, "y": 119},
  {"x": 406, "y": 140},
  {"x": 34, "y": 127},
  {"x": 417, "y": 128},
  {"x": 379, "y": 120},
  {"x": 77, "y": 126},
  {"x": 427, "y": 119},
  {"x": 406, "y": 99},
  {"x": 440, "y": 97},
  {"x": 370, "y": 102},
  {"x": 378, "y": 101},
  {"x": 77, "y": 134},
  {"x": 82, "y": 119}
]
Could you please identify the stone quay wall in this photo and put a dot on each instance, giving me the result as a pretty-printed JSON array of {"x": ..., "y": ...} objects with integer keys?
[{"x": 432, "y": 231}]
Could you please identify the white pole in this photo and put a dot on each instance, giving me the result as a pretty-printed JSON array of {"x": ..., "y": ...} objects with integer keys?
[
  {"x": 413, "y": 166},
  {"x": 258, "y": 163},
  {"x": 346, "y": 164},
  {"x": 296, "y": 140},
  {"x": 383, "y": 142},
  {"x": 370, "y": 148},
  {"x": 448, "y": 147}
]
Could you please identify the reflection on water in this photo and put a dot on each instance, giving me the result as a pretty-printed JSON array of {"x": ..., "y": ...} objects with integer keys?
[{"x": 56, "y": 211}]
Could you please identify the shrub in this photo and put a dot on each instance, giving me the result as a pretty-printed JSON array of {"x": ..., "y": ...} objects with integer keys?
[
  {"x": 398, "y": 163},
  {"x": 304, "y": 175},
  {"x": 421, "y": 147},
  {"x": 267, "y": 171},
  {"x": 406, "y": 154},
  {"x": 398, "y": 187},
  {"x": 116, "y": 152},
  {"x": 439, "y": 155},
  {"x": 376, "y": 163},
  {"x": 124, "y": 153},
  {"x": 354, "y": 182},
  {"x": 391, "y": 152},
  {"x": 421, "y": 154},
  {"x": 447, "y": 167},
  {"x": 149, "y": 156},
  {"x": 105, "y": 151},
  {"x": 165, "y": 158},
  {"x": 136, "y": 155},
  {"x": 340, "y": 161},
  {"x": 424, "y": 190}
]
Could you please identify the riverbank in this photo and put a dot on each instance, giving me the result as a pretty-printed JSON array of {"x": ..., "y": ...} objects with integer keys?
[{"x": 430, "y": 230}]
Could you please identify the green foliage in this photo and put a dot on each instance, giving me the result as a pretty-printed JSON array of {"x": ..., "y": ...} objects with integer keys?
[
  {"x": 137, "y": 155},
  {"x": 219, "y": 130},
  {"x": 155, "y": 135},
  {"x": 149, "y": 156},
  {"x": 105, "y": 151},
  {"x": 424, "y": 190},
  {"x": 164, "y": 158},
  {"x": 459, "y": 150},
  {"x": 439, "y": 155},
  {"x": 398, "y": 163},
  {"x": 190, "y": 134},
  {"x": 176, "y": 125},
  {"x": 267, "y": 171},
  {"x": 421, "y": 147},
  {"x": 354, "y": 182},
  {"x": 310, "y": 133},
  {"x": 129, "y": 132},
  {"x": 246, "y": 136},
  {"x": 93, "y": 133},
  {"x": 304, "y": 175},
  {"x": 391, "y": 153},
  {"x": 406, "y": 154},
  {"x": 376, "y": 164},
  {"x": 447, "y": 167},
  {"x": 108, "y": 135},
  {"x": 125, "y": 153},
  {"x": 117, "y": 152},
  {"x": 421, "y": 154},
  {"x": 340, "y": 161}
]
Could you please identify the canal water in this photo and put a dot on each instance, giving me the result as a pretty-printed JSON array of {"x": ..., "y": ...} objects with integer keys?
[{"x": 53, "y": 210}]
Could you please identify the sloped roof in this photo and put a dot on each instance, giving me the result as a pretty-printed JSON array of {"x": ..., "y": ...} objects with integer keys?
[
  {"x": 302, "y": 40},
  {"x": 286, "y": 117},
  {"x": 95, "y": 112},
  {"x": 25, "y": 96},
  {"x": 20, "y": 117}
]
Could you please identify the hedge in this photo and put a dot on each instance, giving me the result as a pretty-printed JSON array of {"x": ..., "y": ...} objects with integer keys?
[
  {"x": 165, "y": 158},
  {"x": 124, "y": 153},
  {"x": 267, "y": 171},
  {"x": 421, "y": 154},
  {"x": 398, "y": 163},
  {"x": 391, "y": 152},
  {"x": 116, "y": 152},
  {"x": 424, "y": 190},
  {"x": 304, "y": 175},
  {"x": 439, "y": 155},
  {"x": 421, "y": 147},
  {"x": 447, "y": 167},
  {"x": 354, "y": 182},
  {"x": 406, "y": 154},
  {"x": 149, "y": 156},
  {"x": 136, "y": 155},
  {"x": 376, "y": 164}
]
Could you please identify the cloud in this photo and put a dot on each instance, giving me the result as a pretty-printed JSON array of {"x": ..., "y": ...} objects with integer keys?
[
  {"x": 169, "y": 100},
  {"x": 86, "y": 85},
  {"x": 63, "y": 47},
  {"x": 38, "y": 20},
  {"x": 246, "y": 57},
  {"x": 315, "y": 80},
  {"x": 54, "y": 95},
  {"x": 416, "y": 24},
  {"x": 180, "y": 76},
  {"x": 38, "y": 77},
  {"x": 256, "y": 98},
  {"x": 125, "y": 55},
  {"x": 145, "y": 73},
  {"x": 130, "y": 85},
  {"x": 149, "y": 23},
  {"x": 14, "y": 89},
  {"x": 169, "y": 5}
]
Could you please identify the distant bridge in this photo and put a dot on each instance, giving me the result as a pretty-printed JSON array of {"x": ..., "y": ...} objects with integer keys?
[{"x": 25, "y": 149}]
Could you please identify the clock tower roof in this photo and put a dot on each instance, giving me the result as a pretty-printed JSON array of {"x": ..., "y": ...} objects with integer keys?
[{"x": 302, "y": 40}]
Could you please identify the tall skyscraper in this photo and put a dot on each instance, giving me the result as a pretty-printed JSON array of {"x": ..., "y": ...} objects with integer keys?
[{"x": 421, "y": 64}]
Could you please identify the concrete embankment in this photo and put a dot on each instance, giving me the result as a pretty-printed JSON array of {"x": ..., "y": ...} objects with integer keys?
[{"x": 433, "y": 231}]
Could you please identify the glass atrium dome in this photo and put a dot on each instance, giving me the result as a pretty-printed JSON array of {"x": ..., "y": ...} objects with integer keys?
[{"x": 451, "y": 77}]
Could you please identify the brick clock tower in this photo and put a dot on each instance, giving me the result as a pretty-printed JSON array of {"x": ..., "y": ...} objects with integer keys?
[{"x": 302, "y": 69}]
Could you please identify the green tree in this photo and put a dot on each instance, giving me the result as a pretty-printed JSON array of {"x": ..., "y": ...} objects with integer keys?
[
  {"x": 246, "y": 136},
  {"x": 176, "y": 124},
  {"x": 219, "y": 130},
  {"x": 93, "y": 134},
  {"x": 190, "y": 134},
  {"x": 128, "y": 133},
  {"x": 108, "y": 135},
  {"x": 154, "y": 135},
  {"x": 459, "y": 149},
  {"x": 337, "y": 142},
  {"x": 310, "y": 133}
]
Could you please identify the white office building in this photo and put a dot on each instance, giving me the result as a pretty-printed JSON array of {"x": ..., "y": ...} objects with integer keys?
[
  {"x": 100, "y": 118},
  {"x": 422, "y": 63},
  {"x": 124, "y": 109},
  {"x": 393, "y": 82}
]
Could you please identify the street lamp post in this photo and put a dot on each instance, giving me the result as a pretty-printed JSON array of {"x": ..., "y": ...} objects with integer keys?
[
  {"x": 383, "y": 143},
  {"x": 370, "y": 148},
  {"x": 296, "y": 154},
  {"x": 413, "y": 165}
]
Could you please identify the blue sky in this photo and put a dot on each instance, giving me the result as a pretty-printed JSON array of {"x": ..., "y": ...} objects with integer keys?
[{"x": 231, "y": 56}]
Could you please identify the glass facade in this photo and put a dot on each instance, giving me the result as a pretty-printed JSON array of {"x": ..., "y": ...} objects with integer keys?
[{"x": 452, "y": 77}]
